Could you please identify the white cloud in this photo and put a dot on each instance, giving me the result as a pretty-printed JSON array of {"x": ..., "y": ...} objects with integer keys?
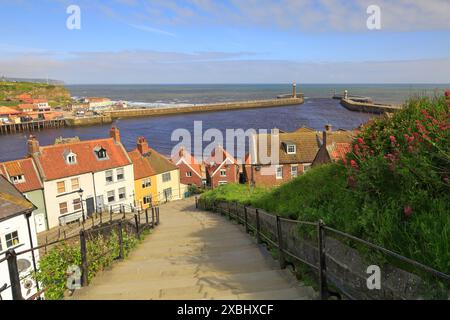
[{"x": 217, "y": 67}]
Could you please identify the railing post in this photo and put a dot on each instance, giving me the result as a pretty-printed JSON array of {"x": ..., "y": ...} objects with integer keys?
[
  {"x": 101, "y": 217},
  {"x": 84, "y": 264},
  {"x": 157, "y": 216},
  {"x": 16, "y": 290},
  {"x": 245, "y": 219},
  {"x": 137, "y": 225},
  {"x": 258, "y": 227},
  {"x": 196, "y": 202},
  {"x": 323, "y": 286},
  {"x": 146, "y": 216},
  {"x": 280, "y": 244},
  {"x": 153, "y": 217},
  {"x": 110, "y": 216},
  {"x": 124, "y": 214},
  {"x": 119, "y": 232}
]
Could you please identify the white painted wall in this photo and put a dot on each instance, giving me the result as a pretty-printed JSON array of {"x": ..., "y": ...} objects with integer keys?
[
  {"x": 53, "y": 199},
  {"x": 102, "y": 187},
  {"x": 19, "y": 224}
]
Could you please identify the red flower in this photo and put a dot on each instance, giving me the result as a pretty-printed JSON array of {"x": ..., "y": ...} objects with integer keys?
[
  {"x": 408, "y": 211},
  {"x": 354, "y": 164},
  {"x": 392, "y": 138},
  {"x": 360, "y": 141}
]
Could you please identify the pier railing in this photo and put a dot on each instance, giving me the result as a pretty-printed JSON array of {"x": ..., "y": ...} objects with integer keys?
[
  {"x": 334, "y": 257},
  {"x": 128, "y": 227}
]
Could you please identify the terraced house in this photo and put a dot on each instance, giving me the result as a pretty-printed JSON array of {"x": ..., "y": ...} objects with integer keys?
[
  {"x": 82, "y": 177},
  {"x": 164, "y": 179},
  {"x": 24, "y": 176},
  {"x": 297, "y": 151}
]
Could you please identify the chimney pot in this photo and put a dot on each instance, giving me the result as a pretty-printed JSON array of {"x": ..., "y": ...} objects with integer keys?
[
  {"x": 142, "y": 145},
  {"x": 115, "y": 134},
  {"x": 33, "y": 145}
]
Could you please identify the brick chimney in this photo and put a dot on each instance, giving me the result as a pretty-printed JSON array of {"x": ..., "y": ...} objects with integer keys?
[
  {"x": 115, "y": 133},
  {"x": 142, "y": 145},
  {"x": 328, "y": 130},
  {"x": 33, "y": 145}
]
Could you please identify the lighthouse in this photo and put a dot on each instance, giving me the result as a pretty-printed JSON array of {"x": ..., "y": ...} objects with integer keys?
[{"x": 294, "y": 90}]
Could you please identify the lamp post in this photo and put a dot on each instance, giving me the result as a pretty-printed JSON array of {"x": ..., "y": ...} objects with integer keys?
[{"x": 80, "y": 192}]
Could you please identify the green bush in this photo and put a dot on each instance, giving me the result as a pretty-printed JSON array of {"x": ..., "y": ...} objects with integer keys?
[{"x": 101, "y": 252}]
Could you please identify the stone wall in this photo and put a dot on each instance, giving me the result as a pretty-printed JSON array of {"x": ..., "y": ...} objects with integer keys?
[
  {"x": 346, "y": 266},
  {"x": 154, "y": 112},
  {"x": 88, "y": 121},
  {"x": 369, "y": 107}
]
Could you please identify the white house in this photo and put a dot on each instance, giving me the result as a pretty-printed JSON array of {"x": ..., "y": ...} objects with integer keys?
[
  {"x": 83, "y": 177},
  {"x": 18, "y": 233}
]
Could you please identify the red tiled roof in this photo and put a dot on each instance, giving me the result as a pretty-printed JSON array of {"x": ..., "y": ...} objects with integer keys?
[
  {"x": 54, "y": 166},
  {"x": 39, "y": 101},
  {"x": 23, "y": 167},
  {"x": 338, "y": 151},
  {"x": 8, "y": 111},
  {"x": 25, "y": 106},
  {"x": 218, "y": 155},
  {"x": 141, "y": 165}
]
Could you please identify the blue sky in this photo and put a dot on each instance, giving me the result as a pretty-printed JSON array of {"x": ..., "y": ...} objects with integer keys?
[{"x": 229, "y": 41}]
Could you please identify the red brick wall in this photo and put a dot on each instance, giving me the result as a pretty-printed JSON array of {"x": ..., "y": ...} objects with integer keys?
[
  {"x": 231, "y": 177},
  {"x": 270, "y": 180},
  {"x": 194, "y": 180}
]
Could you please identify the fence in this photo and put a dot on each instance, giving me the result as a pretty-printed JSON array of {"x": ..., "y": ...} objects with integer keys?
[
  {"x": 341, "y": 270},
  {"x": 134, "y": 226}
]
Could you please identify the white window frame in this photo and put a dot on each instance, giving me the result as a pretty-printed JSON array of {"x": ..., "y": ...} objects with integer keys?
[
  {"x": 67, "y": 208},
  {"x": 78, "y": 183},
  {"x": 13, "y": 239},
  {"x": 113, "y": 196},
  {"x": 279, "y": 177},
  {"x": 76, "y": 202},
  {"x": 18, "y": 179},
  {"x": 57, "y": 188},
  {"x": 223, "y": 172},
  {"x": 293, "y": 146},
  {"x": 147, "y": 199},
  {"x": 120, "y": 172},
  {"x": 146, "y": 183},
  {"x": 189, "y": 174},
  {"x": 122, "y": 191},
  {"x": 292, "y": 171},
  {"x": 109, "y": 174},
  {"x": 165, "y": 175}
]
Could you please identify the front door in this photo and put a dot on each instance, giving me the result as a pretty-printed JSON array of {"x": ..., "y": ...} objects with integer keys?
[
  {"x": 39, "y": 220},
  {"x": 90, "y": 208}
]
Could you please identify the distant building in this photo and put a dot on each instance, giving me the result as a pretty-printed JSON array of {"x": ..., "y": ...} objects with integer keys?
[
  {"x": 17, "y": 232},
  {"x": 98, "y": 104},
  {"x": 192, "y": 172},
  {"x": 24, "y": 176},
  {"x": 6, "y": 113},
  {"x": 83, "y": 177},
  {"x": 28, "y": 107},
  {"x": 41, "y": 105},
  {"x": 221, "y": 168}
]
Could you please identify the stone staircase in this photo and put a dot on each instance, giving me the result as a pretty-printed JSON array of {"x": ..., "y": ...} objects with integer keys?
[{"x": 196, "y": 255}]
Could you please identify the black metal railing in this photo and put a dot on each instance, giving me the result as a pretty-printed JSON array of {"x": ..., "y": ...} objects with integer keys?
[
  {"x": 284, "y": 235},
  {"x": 141, "y": 220}
]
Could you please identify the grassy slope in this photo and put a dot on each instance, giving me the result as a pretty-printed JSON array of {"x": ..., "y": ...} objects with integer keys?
[
  {"x": 373, "y": 208},
  {"x": 57, "y": 95}
]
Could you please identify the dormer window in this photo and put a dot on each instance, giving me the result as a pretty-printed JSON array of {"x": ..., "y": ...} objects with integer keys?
[
  {"x": 18, "y": 179},
  {"x": 71, "y": 158},
  {"x": 101, "y": 153},
  {"x": 291, "y": 149}
]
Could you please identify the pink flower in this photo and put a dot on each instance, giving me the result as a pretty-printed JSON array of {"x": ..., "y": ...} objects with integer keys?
[
  {"x": 392, "y": 138},
  {"x": 354, "y": 164},
  {"x": 360, "y": 141},
  {"x": 408, "y": 211}
]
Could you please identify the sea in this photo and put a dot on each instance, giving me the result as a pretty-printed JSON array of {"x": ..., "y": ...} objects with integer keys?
[{"x": 319, "y": 109}]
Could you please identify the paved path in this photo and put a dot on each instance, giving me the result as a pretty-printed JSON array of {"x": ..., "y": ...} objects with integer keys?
[{"x": 196, "y": 255}]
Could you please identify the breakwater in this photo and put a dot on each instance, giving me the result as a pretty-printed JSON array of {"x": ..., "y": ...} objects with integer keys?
[
  {"x": 89, "y": 121},
  {"x": 368, "y": 107},
  {"x": 227, "y": 106}
]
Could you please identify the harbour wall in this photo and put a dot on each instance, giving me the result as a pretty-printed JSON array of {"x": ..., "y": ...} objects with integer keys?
[
  {"x": 227, "y": 106},
  {"x": 369, "y": 107},
  {"x": 89, "y": 121}
]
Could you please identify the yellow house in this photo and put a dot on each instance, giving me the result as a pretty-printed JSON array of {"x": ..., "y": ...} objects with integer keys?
[{"x": 156, "y": 179}]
